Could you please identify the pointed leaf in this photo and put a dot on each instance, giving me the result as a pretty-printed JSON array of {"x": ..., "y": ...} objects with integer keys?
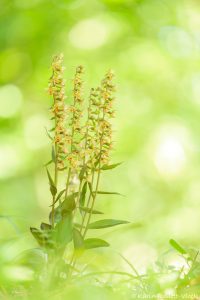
[
  {"x": 44, "y": 238},
  {"x": 78, "y": 239},
  {"x": 69, "y": 203},
  {"x": 89, "y": 210},
  {"x": 45, "y": 226},
  {"x": 82, "y": 172},
  {"x": 53, "y": 188},
  {"x": 108, "y": 193},
  {"x": 57, "y": 215},
  {"x": 53, "y": 154},
  {"x": 106, "y": 223},
  {"x": 63, "y": 231},
  {"x": 90, "y": 187},
  {"x": 83, "y": 194},
  {"x": 95, "y": 243},
  {"x": 47, "y": 132},
  {"x": 48, "y": 163},
  {"x": 177, "y": 247},
  {"x": 59, "y": 196},
  {"x": 109, "y": 167},
  {"x": 77, "y": 225}
]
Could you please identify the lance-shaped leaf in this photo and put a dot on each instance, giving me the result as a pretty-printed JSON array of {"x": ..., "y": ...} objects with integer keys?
[
  {"x": 69, "y": 204},
  {"x": 59, "y": 196},
  {"x": 53, "y": 188},
  {"x": 48, "y": 134},
  {"x": 106, "y": 223},
  {"x": 53, "y": 154},
  {"x": 48, "y": 163},
  {"x": 82, "y": 172},
  {"x": 45, "y": 226},
  {"x": 177, "y": 247},
  {"x": 95, "y": 243},
  {"x": 83, "y": 194},
  {"x": 57, "y": 215},
  {"x": 78, "y": 239},
  {"x": 63, "y": 231},
  {"x": 108, "y": 193},
  {"x": 79, "y": 226},
  {"x": 44, "y": 238},
  {"x": 91, "y": 211},
  {"x": 109, "y": 167}
]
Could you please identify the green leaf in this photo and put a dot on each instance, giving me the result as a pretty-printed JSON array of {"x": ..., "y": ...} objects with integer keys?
[
  {"x": 109, "y": 167},
  {"x": 106, "y": 223},
  {"x": 48, "y": 163},
  {"x": 78, "y": 239},
  {"x": 90, "y": 187},
  {"x": 45, "y": 226},
  {"x": 83, "y": 194},
  {"x": 78, "y": 225},
  {"x": 69, "y": 204},
  {"x": 44, "y": 238},
  {"x": 95, "y": 243},
  {"x": 31, "y": 258},
  {"x": 53, "y": 154},
  {"x": 89, "y": 210},
  {"x": 57, "y": 215},
  {"x": 63, "y": 231},
  {"x": 59, "y": 195},
  {"x": 108, "y": 193},
  {"x": 47, "y": 132},
  {"x": 97, "y": 160},
  {"x": 82, "y": 172},
  {"x": 53, "y": 188},
  {"x": 177, "y": 247}
]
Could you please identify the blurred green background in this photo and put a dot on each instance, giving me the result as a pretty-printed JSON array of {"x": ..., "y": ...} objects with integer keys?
[{"x": 154, "y": 48}]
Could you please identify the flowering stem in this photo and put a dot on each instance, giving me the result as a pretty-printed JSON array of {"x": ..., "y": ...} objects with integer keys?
[{"x": 93, "y": 201}]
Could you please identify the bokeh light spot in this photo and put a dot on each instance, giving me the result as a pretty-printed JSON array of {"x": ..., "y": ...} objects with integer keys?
[
  {"x": 170, "y": 155},
  {"x": 177, "y": 41},
  {"x": 9, "y": 160},
  {"x": 171, "y": 148},
  {"x": 88, "y": 34},
  {"x": 35, "y": 137},
  {"x": 11, "y": 100}
]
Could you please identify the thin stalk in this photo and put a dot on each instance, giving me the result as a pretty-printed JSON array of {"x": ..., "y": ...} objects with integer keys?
[
  {"x": 97, "y": 184},
  {"x": 84, "y": 159},
  {"x": 55, "y": 175},
  {"x": 73, "y": 259},
  {"x": 69, "y": 170},
  {"x": 88, "y": 203},
  {"x": 55, "y": 182},
  {"x": 67, "y": 182},
  {"x": 93, "y": 201}
]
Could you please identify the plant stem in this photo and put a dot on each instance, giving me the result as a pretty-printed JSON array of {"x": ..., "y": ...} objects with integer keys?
[
  {"x": 55, "y": 175},
  {"x": 97, "y": 182},
  {"x": 93, "y": 201},
  {"x": 88, "y": 203}
]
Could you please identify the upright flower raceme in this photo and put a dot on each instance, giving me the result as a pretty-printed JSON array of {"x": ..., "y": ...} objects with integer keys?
[
  {"x": 58, "y": 109},
  {"x": 92, "y": 132},
  {"x": 105, "y": 128},
  {"x": 75, "y": 156}
]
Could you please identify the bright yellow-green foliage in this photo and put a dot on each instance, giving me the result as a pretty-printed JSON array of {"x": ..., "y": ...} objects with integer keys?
[{"x": 154, "y": 48}]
